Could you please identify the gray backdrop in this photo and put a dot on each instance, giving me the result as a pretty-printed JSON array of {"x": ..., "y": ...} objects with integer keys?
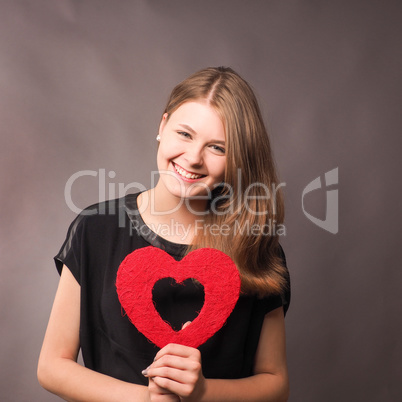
[{"x": 83, "y": 85}]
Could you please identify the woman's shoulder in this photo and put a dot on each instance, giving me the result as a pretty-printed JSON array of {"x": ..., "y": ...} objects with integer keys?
[
  {"x": 115, "y": 207},
  {"x": 111, "y": 207},
  {"x": 106, "y": 215}
]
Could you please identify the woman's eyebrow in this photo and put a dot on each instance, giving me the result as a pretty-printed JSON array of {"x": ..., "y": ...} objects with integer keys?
[{"x": 188, "y": 128}]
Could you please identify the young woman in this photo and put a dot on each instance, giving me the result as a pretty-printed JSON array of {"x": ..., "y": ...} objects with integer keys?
[{"x": 217, "y": 188}]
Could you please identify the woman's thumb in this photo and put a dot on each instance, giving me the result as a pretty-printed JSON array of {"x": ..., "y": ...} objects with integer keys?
[{"x": 186, "y": 324}]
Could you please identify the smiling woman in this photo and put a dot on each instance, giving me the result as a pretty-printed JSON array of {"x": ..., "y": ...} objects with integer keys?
[{"x": 216, "y": 172}]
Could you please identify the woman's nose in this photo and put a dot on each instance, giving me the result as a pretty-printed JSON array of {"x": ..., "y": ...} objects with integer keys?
[{"x": 194, "y": 157}]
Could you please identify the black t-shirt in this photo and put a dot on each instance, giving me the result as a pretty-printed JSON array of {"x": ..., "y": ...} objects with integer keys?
[{"x": 97, "y": 242}]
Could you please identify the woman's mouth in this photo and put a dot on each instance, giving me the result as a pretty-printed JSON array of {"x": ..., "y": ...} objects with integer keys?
[{"x": 185, "y": 174}]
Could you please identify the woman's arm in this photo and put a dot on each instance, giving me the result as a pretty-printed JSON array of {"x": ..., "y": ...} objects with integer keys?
[
  {"x": 177, "y": 368},
  {"x": 270, "y": 380},
  {"x": 58, "y": 370}
]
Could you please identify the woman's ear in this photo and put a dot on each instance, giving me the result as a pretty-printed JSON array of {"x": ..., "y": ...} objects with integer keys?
[{"x": 163, "y": 123}]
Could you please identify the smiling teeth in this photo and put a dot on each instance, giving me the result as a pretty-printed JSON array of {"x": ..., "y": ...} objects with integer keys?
[{"x": 185, "y": 174}]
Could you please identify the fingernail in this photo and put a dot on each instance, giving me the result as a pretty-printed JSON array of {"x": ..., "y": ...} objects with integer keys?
[{"x": 145, "y": 372}]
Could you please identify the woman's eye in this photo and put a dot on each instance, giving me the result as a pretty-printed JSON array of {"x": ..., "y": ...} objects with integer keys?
[
  {"x": 184, "y": 134},
  {"x": 218, "y": 149}
]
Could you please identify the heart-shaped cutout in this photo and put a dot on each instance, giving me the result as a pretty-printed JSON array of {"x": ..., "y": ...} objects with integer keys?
[
  {"x": 141, "y": 269},
  {"x": 171, "y": 298}
]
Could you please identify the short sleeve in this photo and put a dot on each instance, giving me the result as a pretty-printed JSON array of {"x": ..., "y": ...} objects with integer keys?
[{"x": 71, "y": 252}]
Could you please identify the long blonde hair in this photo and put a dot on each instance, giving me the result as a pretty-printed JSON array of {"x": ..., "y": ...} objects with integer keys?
[{"x": 249, "y": 165}]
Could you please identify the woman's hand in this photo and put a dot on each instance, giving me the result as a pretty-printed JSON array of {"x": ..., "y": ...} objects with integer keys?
[
  {"x": 159, "y": 394},
  {"x": 177, "y": 369}
]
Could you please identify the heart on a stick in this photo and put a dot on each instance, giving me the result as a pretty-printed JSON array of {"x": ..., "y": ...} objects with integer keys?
[{"x": 142, "y": 268}]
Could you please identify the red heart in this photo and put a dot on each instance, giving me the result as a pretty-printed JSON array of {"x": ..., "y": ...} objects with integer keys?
[{"x": 141, "y": 269}]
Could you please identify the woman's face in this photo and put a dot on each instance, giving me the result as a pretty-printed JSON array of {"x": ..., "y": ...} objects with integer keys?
[{"x": 191, "y": 155}]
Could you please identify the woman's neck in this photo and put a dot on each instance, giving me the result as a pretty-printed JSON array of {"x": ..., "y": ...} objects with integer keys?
[{"x": 170, "y": 217}]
